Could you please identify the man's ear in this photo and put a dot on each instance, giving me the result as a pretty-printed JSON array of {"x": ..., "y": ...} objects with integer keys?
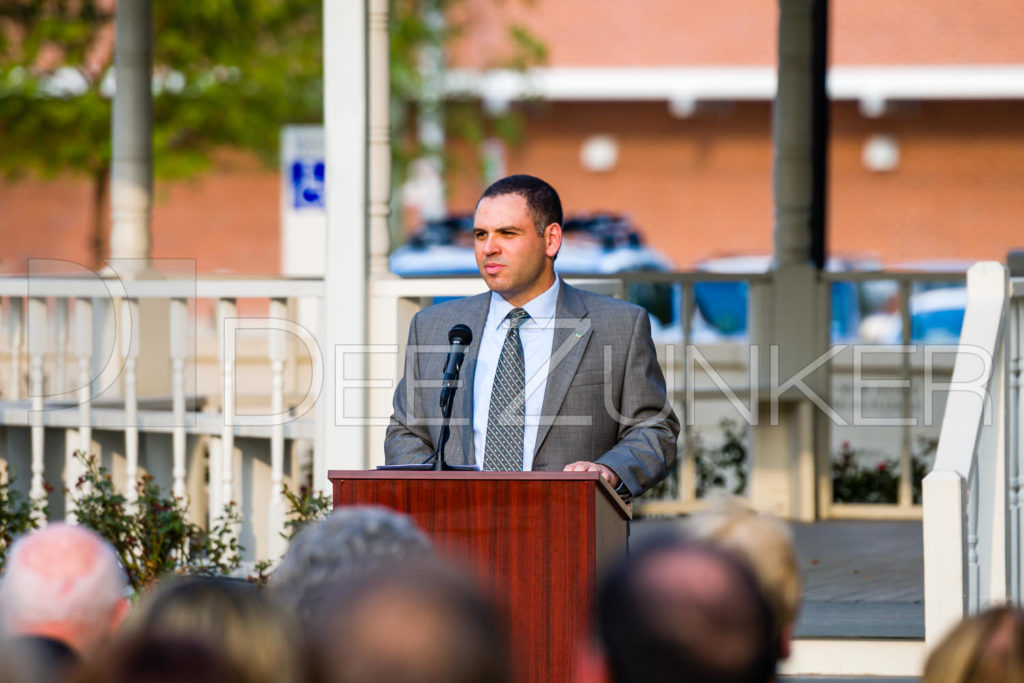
[{"x": 552, "y": 239}]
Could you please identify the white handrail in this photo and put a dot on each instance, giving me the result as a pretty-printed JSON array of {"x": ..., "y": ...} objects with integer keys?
[{"x": 964, "y": 495}]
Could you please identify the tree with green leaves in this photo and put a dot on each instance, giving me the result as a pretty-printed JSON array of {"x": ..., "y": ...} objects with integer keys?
[{"x": 226, "y": 74}]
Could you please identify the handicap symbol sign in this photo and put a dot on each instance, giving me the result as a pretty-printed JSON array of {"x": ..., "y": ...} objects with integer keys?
[{"x": 307, "y": 176}]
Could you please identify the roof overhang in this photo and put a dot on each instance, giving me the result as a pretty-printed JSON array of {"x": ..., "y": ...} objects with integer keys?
[{"x": 683, "y": 87}]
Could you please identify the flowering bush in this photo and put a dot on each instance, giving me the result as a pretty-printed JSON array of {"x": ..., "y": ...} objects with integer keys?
[
  {"x": 853, "y": 482},
  {"x": 154, "y": 537},
  {"x": 724, "y": 467},
  {"x": 19, "y": 514}
]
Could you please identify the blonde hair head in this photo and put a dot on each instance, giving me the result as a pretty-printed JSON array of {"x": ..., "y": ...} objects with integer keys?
[{"x": 764, "y": 543}]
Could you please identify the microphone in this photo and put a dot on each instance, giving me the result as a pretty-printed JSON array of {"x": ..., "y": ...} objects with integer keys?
[{"x": 459, "y": 337}]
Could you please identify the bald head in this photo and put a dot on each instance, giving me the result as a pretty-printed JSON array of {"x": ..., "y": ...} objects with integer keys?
[
  {"x": 63, "y": 582},
  {"x": 681, "y": 611}
]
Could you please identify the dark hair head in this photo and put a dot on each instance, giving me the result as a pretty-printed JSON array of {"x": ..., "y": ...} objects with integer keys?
[
  {"x": 405, "y": 624},
  {"x": 541, "y": 199},
  {"x": 146, "y": 658},
  {"x": 251, "y": 632},
  {"x": 675, "y": 610}
]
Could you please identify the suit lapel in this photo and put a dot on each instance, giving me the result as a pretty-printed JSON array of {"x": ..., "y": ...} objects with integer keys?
[
  {"x": 572, "y": 332},
  {"x": 475, "y": 311}
]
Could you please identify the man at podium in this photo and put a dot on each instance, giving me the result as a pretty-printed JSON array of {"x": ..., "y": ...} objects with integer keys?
[{"x": 554, "y": 377}]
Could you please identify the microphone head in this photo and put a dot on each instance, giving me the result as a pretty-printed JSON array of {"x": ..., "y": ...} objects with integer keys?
[{"x": 461, "y": 334}]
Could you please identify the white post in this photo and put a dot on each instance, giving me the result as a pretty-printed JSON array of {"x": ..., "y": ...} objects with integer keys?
[
  {"x": 379, "y": 114},
  {"x": 131, "y": 173},
  {"x": 945, "y": 554},
  {"x": 83, "y": 350},
  {"x": 226, "y": 309},
  {"x": 36, "y": 352},
  {"x": 1015, "y": 413},
  {"x": 130, "y": 351},
  {"x": 60, "y": 337},
  {"x": 179, "y": 343},
  {"x": 905, "y": 495},
  {"x": 342, "y": 445},
  {"x": 15, "y": 331},
  {"x": 278, "y": 356}
]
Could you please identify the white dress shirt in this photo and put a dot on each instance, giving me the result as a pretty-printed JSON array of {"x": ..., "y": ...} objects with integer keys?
[{"x": 538, "y": 336}]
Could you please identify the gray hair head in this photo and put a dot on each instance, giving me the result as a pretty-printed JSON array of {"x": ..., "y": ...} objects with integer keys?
[
  {"x": 347, "y": 545},
  {"x": 62, "y": 575}
]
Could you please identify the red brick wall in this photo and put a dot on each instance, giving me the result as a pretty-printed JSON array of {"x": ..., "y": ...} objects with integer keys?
[
  {"x": 743, "y": 32},
  {"x": 702, "y": 187},
  {"x": 698, "y": 187},
  {"x": 228, "y": 220}
]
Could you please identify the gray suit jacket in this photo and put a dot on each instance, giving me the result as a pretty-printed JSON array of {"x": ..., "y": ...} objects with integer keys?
[{"x": 604, "y": 401}]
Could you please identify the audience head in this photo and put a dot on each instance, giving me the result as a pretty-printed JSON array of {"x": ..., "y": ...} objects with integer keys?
[
  {"x": 349, "y": 543},
  {"x": 253, "y": 634},
  {"x": 677, "y": 610},
  {"x": 63, "y": 583},
  {"x": 766, "y": 545},
  {"x": 158, "y": 659},
  {"x": 409, "y": 624},
  {"x": 984, "y": 648}
]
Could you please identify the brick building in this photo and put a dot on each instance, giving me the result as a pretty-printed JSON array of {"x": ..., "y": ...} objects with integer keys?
[{"x": 674, "y": 99}]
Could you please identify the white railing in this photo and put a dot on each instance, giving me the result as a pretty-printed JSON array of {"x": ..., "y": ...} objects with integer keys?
[
  {"x": 972, "y": 527},
  {"x": 122, "y": 329},
  {"x": 914, "y": 368},
  {"x": 59, "y": 331}
]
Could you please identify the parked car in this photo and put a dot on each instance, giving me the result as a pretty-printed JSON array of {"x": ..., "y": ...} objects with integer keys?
[
  {"x": 592, "y": 244},
  {"x": 936, "y": 307},
  {"x": 724, "y": 304}
]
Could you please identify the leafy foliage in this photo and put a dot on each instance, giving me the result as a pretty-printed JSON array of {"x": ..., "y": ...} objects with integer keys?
[
  {"x": 722, "y": 467},
  {"x": 306, "y": 506},
  {"x": 226, "y": 74},
  {"x": 421, "y": 33},
  {"x": 853, "y": 482},
  {"x": 19, "y": 514},
  {"x": 154, "y": 537},
  {"x": 725, "y": 466}
]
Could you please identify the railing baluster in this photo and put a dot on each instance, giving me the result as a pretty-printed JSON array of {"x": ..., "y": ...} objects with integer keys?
[
  {"x": 83, "y": 351},
  {"x": 973, "y": 561},
  {"x": 687, "y": 465},
  {"x": 60, "y": 336},
  {"x": 1013, "y": 415},
  {"x": 179, "y": 343},
  {"x": 37, "y": 351},
  {"x": 278, "y": 356},
  {"x": 905, "y": 496},
  {"x": 129, "y": 327},
  {"x": 15, "y": 332},
  {"x": 226, "y": 310}
]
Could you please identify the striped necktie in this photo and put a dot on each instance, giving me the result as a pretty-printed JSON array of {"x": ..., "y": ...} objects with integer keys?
[{"x": 503, "y": 448}]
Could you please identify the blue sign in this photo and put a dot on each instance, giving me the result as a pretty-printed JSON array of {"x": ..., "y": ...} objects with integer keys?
[{"x": 307, "y": 184}]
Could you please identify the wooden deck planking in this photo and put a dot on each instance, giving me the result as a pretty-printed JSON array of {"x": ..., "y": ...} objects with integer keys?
[{"x": 862, "y": 579}]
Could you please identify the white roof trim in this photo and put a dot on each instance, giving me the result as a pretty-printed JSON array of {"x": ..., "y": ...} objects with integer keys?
[{"x": 691, "y": 84}]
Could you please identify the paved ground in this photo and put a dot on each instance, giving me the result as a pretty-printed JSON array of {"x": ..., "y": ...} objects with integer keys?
[{"x": 861, "y": 579}]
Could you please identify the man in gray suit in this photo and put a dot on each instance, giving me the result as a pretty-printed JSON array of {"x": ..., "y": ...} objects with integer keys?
[{"x": 556, "y": 378}]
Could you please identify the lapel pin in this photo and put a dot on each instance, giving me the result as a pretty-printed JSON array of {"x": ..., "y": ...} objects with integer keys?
[{"x": 579, "y": 334}]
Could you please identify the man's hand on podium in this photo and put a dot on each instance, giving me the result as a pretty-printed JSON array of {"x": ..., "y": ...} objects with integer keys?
[{"x": 587, "y": 466}]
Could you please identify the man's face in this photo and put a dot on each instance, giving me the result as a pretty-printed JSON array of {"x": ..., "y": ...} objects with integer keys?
[{"x": 514, "y": 260}]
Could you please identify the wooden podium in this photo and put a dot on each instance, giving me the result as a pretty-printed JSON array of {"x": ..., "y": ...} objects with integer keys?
[{"x": 535, "y": 540}]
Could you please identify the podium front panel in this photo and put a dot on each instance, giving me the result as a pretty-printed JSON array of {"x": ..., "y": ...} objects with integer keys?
[{"x": 534, "y": 541}]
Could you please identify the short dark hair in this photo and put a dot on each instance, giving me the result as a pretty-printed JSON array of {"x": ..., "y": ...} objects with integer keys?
[
  {"x": 374, "y": 627},
  {"x": 541, "y": 199},
  {"x": 658, "y": 619}
]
